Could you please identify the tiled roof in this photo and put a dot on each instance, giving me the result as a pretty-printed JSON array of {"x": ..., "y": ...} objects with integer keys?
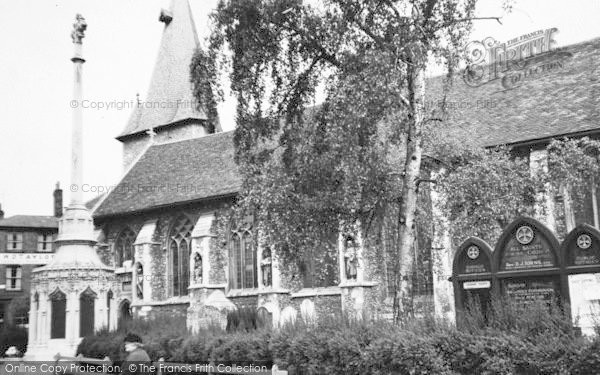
[
  {"x": 174, "y": 173},
  {"x": 29, "y": 221},
  {"x": 169, "y": 99},
  {"x": 557, "y": 99},
  {"x": 92, "y": 202},
  {"x": 562, "y": 100}
]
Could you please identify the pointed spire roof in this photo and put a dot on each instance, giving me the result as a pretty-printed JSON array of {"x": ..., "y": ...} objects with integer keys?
[{"x": 170, "y": 98}]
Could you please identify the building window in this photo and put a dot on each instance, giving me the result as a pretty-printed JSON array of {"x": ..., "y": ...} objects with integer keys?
[
  {"x": 15, "y": 241},
  {"x": 124, "y": 246},
  {"x": 243, "y": 261},
  {"x": 58, "y": 314},
  {"x": 179, "y": 255},
  {"x": 266, "y": 267},
  {"x": 86, "y": 313},
  {"x": 109, "y": 297},
  {"x": 124, "y": 314},
  {"x": 45, "y": 242},
  {"x": 13, "y": 278}
]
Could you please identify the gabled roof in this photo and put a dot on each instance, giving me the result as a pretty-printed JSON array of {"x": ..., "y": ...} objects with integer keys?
[
  {"x": 30, "y": 221},
  {"x": 170, "y": 99},
  {"x": 174, "y": 173},
  {"x": 561, "y": 96},
  {"x": 559, "y": 101}
]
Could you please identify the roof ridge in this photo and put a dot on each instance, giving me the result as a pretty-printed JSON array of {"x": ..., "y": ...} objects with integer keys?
[{"x": 193, "y": 138}]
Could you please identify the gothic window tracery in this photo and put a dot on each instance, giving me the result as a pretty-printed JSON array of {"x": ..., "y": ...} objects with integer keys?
[
  {"x": 243, "y": 259},
  {"x": 180, "y": 238},
  {"x": 124, "y": 246}
]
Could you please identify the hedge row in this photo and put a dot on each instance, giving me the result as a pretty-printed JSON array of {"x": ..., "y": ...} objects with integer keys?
[{"x": 345, "y": 347}]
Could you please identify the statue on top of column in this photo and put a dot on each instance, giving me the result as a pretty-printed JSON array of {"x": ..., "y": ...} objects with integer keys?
[{"x": 79, "y": 27}]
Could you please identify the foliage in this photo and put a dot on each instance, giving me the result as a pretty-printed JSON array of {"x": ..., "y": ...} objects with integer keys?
[
  {"x": 310, "y": 172},
  {"x": 11, "y": 335},
  {"x": 483, "y": 190},
  {"x": 157, "y": 341},
  {"x": 204, "y": 78},
  {"x": 537, "y": 341},
  {"x": 574, "y": 164}
]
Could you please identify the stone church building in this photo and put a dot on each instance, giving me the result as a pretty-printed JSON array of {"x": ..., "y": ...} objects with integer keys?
[{"x": 166, "y": 231}]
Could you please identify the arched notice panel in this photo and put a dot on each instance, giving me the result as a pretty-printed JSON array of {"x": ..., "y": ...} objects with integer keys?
[
  {"x": 472, "y": 257},
  {"x": 581, "y": 254},
  {"x": 472, "y": 274},
  {"x": 528, "y": 263},
  {"x": 526, "y": 244},
  {"x": 581, "y": 249}
]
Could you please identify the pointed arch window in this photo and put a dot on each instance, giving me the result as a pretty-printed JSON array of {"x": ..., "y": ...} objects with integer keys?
[
  {"x": 243, "y": 261},
  {"x": 109, "y": 298},
  {"x": 180, "y": 238},
  {"x": 86, "y": 312},
  {"x": 124, "y": 246},
  {"x": 58, "y": 302},
  {"x": 124, "y": 314}
]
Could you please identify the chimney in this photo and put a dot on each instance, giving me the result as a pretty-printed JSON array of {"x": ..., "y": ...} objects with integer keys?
[
  {"x": 58, "y": 201},
  {"x": 1, "y": 213}
]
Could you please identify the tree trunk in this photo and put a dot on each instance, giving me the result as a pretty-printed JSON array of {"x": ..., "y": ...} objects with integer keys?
[{"x": 408, "y": 204}]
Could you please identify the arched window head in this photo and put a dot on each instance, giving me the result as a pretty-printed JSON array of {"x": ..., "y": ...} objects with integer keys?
[
  {"x": 124, "y": 246},
  {"x": 266, "y": 267},
  {"x": 139, "y": 281},
  {"x": 58, "y": 314},
  {"x": 198, "y": 268},
  {"x": 180, "y": 238},
  {"x": 243, "y": 260},
  {"x": 87, "y": 301},
  {"x": 124, "y": 313},
  {"x": 109, "y": 298},
  {"x": 350, "y": 257}
]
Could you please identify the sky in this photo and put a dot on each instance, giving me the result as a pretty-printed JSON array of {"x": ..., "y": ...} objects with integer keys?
[{"x": 120, "y": 47}]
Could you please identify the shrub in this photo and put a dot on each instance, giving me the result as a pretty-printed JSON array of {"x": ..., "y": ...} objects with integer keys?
[
  {"x": 340, "y": 345},
  {"x": 13, "y": 336},
  {"x": 158, "y": 341}
]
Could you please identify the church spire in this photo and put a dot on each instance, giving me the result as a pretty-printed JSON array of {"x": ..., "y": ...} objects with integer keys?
[{"x": 170, "y": 100}]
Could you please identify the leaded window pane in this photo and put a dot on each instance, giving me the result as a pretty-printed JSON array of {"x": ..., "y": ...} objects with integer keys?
[{"x": 180, "y": 238}]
